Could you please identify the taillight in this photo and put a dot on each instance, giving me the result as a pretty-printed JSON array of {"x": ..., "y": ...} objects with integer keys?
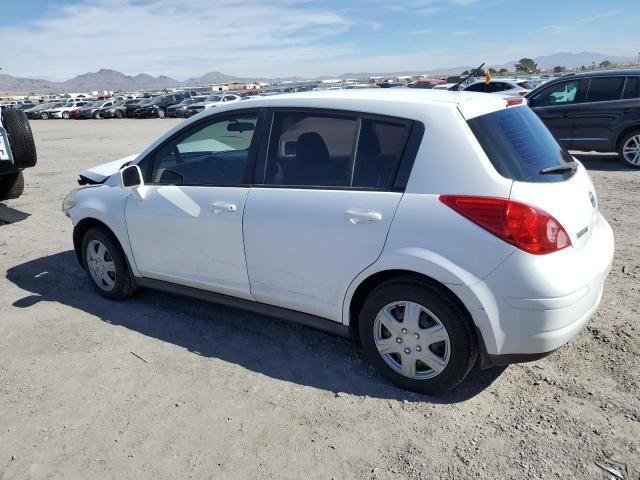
[
  {"x": 524, "y": 226},
  {"x": 511, "y": 101}
]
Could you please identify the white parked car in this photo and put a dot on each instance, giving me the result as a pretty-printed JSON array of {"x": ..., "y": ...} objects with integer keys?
[
  {"x": 63, "y": 111},
  {"x": 213, "y": 100},
  {"x": 437, "y": 228},
  {"x": 501, "y": 85}
]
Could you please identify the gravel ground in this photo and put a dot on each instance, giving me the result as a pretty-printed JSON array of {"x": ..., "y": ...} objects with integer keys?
[{"x": 223, "y": 393}]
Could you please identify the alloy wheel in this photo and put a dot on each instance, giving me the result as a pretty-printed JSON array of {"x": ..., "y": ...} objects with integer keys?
[
  {"x": 412, "y": 340},
  {"x": 631, "y": 150}
]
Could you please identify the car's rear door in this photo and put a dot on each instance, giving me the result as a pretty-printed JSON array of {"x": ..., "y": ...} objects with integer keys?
[
  {"x": 596, "y": 119},
  {"x": 188, "y": 227},
  {"x": 322, "y": 205}
]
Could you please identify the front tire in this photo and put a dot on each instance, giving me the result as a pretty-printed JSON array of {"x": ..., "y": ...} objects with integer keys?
[
  {"x": 66, "y": 115},
  {"x": 417, "y": 335},
  {"x": 96, "y": 115},
  {"x": 106, "y": 264},
  {"x": 160, "y": 113},
  {"x": 118, "y": 114},
  {"x": 629, "y": 149},
  {"x": 44, "y": 115}
]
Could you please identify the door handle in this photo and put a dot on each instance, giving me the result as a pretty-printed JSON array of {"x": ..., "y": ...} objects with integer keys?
[
  {"x": 360, "y": 215},
  {"x": 223, "y": 207}
]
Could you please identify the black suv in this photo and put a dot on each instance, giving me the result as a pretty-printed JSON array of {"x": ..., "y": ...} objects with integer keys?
[
  {"x": 597, "y": 110},
  {"x": 158, "y": 106}
]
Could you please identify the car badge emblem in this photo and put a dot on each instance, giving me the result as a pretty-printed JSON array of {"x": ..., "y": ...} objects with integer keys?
[{"x": 592, "y": 197}]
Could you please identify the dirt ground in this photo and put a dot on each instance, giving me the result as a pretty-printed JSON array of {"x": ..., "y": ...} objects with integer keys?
[{"x": 222, "y": 393}]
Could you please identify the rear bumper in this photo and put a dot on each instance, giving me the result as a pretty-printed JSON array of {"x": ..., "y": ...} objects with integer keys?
[{"x": 530, "y": 306}]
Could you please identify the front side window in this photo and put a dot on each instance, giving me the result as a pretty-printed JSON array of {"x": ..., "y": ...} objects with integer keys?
[
  {"x": 563, "y": 93},
  {"x": 216, "y": 153},
  {"x": 604, "y": 89}
]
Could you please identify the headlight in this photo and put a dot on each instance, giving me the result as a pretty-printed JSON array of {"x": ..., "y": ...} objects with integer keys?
[{"x": 69, "y": 201}]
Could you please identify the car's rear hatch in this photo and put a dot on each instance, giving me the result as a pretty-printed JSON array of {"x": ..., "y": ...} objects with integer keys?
[{"x": 544, "y": 175}]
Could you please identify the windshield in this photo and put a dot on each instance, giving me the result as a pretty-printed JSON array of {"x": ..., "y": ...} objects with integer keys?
[
  {"x": 214, "y": 98},
  {"x": 519, "y": 145}
]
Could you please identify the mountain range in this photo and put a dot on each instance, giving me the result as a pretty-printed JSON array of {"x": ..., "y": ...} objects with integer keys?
[{"x": 106, "y": 79}]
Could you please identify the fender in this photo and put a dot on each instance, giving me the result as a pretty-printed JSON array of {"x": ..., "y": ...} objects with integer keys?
[
  {"x": 106, "y": 203},
  {"x": 469, "y": 289}
]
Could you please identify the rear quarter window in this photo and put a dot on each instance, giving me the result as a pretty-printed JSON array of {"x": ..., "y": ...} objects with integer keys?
[{"x": 519, "y": 145}]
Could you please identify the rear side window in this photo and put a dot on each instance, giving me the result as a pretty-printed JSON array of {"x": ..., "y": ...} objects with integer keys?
[
  {"x": 519, "y": 145},
  {"x": 310, "y": 150},
  {"x": 325, "y": 150},
  {"x": 380, "y": 149},
  {"x": 603, "y": 89},
  {"x": 632, "y": 88}
]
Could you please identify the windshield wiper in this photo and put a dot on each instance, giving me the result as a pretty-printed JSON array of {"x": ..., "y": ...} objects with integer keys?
[{"x": 565, "y": 167}]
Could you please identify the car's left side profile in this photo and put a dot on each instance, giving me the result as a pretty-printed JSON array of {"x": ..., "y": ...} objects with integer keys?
[{"x": 439, "y": 229}]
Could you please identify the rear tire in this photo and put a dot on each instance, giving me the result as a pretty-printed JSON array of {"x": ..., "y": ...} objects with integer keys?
[
  {"x": 106, "y": 264},
  {"x": 65, "y": 115},
  {"x": 11, "y": 186},
  {"x": 96, "y": 115},
  {"x": 118, "y": 114},
  {"x": 44, "y": 115},
  {"x": 629, "y": 149},
  {"x": 160, "y": 113},
  {"x": 430, "y": 345},
  {"x": 20, "y": 138}
]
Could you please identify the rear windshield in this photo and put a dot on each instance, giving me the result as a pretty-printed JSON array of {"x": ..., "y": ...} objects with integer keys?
[{"x": 519, "y": 145}]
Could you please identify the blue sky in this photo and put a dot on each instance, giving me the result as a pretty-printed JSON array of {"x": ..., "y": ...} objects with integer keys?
[{"x": 62, "y": 38}]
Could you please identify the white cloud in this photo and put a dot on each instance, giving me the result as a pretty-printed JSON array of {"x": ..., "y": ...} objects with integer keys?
[{"x": 160, "y": 37}]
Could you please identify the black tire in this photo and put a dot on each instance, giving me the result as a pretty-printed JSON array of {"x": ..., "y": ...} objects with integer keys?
[
  {"x": 11, "y": 186},
  {"x": 621, "y": 145},
  {"x": 160, "y": 113},
  {"x": 125, "y": 284},
  {"x": 463, "y": 345},
  {"x": 44, "y": 115},
  {"x": 118, "y": 114},
  {"x": 66, "y": 115},
  {"x": 20, "y": 138},
  {"x": 96, "y": 115}
]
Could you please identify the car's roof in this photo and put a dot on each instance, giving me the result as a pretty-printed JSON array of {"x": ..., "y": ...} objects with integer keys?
[
  {"x": 600, "y": 73},
  {"x": 422, "y": 96}
]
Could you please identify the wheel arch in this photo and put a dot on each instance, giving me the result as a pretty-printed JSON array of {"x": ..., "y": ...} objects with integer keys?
[
  {"x": 79, "y": 231},
  {"x": 369, "y": 283},
  {"x": 624, "y": 132}
]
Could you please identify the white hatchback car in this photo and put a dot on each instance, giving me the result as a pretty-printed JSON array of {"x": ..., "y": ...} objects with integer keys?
[{"x": 437, "y": 228}]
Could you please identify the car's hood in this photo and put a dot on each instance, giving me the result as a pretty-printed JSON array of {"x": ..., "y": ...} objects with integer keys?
[{"x": 100, "y": 173}]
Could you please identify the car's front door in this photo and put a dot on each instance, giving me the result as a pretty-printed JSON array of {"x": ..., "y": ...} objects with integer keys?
[
  {"x": 324, "y": 207},
  {"x": 555, "y": 106},
  {"x": 187, "y": 228}
]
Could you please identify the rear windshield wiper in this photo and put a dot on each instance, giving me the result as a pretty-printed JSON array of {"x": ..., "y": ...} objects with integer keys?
[{"x": 565, "y": 167}]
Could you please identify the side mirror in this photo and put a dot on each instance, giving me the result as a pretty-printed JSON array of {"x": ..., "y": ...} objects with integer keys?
[{"x": 131, "y": 176}]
